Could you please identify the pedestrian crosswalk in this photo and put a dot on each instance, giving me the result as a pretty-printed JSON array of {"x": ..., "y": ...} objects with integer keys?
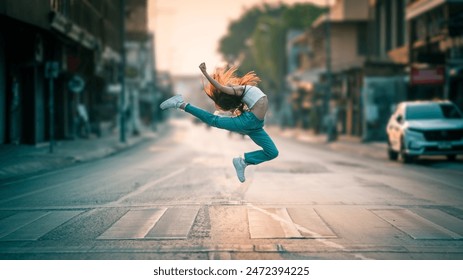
[
  {"x": 31, "y": 225},
  {"x": 271, "y": 223},
  {"x": 262, "y": 222},
  {"x": 134, "y": 224},
  {"x": 176, "y": 223},
  {"x": 419, "y": 227},
  {"x": 155, "y": 223},
  {"x": 287, "y": 223}
]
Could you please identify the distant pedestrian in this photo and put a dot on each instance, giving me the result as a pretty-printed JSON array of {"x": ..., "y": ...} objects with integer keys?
[
  {"x": 248, "y": 104},
  {"x": 83, "y": 121}
]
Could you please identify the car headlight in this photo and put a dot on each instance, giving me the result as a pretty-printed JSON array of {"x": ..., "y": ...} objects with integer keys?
[
  {"x": 414, "y": 134},
  {"x": 413, "y": 138}
]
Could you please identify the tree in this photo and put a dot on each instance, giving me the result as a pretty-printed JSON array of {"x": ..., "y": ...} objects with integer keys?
[
  {"x": 268, "y": 52},
  {"x": 257, "y": 41},
  {"x": 301, "y": 15},
  {"x": 240, "y": 30}
]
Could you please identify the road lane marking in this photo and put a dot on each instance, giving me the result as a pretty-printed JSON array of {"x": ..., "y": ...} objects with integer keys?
[
  {"x": 415, "y": 226},
  {"x": 307, "y": 231},
  {"x": 307, "y": 217},
  {"x": 264, "y": 226},
  {"x": 41, "y": 226},
  {"x": 441, "y": 218},
  {"x": 261, "y": 225},
  {"x": 17, "y": 221},
  {"x": 176, "y": 223},
  {"x": 155, "y": 223},
  {"x": 135, "y": 224},
  {"x": 41, "y": 190}
]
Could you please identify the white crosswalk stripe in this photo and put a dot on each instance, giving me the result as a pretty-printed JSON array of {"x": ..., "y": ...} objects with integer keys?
[
  {"x": 418, "y": 227},
  {"x": 155, "y": 223},
  {"x": 33, "y": 225},
  {"x": 305, "y": 222},
  {"x": 134, "y": 224},
  {"x": 287, "y": 223}
]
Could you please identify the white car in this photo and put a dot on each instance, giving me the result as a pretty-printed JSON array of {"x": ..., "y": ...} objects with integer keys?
[{"x": 419, "y": 128}]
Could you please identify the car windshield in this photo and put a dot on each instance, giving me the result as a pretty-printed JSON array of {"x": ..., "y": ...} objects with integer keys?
[{"x": 432, "y": 111}]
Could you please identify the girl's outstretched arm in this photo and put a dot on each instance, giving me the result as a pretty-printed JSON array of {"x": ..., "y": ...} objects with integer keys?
[{"x": 230, "y": 90}]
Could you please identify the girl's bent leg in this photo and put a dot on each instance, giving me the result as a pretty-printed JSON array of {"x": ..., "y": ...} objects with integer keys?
[
  {"x": 258, "y": 135},
  {"x": 269, "y": 150}
]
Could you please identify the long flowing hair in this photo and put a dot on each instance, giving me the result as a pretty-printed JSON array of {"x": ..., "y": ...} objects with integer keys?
[{"x": 228, "y": 77}]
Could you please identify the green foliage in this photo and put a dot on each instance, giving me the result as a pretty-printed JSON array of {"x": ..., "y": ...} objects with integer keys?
[
  {"x": 301, "y": 15},
  {"x": 258, "y": 40},
  {"x": 268, "y": 51},
  {"x": 240, "y": 30}
]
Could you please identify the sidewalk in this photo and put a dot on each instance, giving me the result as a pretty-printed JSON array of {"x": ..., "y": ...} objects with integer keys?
[
  {"x": 344, "y": 143},
  {"x": 20, "y": 160}
]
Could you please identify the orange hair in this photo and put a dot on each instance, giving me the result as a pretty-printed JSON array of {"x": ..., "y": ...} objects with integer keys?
[{"x": 229, "y": 77}]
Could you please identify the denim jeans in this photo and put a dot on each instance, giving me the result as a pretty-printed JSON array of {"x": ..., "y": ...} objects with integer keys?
[{"x": 246, "y": 123}]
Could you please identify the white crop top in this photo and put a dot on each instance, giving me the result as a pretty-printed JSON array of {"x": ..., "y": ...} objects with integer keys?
[{"x": 251, "y": 95}]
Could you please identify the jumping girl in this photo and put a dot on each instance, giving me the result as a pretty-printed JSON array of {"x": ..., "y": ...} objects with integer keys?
[{"x": 247, "y": 102}]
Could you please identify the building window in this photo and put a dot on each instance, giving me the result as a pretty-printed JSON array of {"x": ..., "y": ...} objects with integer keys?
[
  {"x": 54, "y": 4},
  {"x": 382, "y": 29},
  {"x": 388, "y": 25},
  {"x": 60, "y": 6},
  {"x": 362, "y": 37},
  {"x": 400, "y": 23},
  {"x": 419, "y": 26},
  {"x": 436, "y": 20}
]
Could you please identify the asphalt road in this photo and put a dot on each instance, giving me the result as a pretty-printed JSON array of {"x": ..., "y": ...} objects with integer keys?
[{"x": 179, "y": 198}]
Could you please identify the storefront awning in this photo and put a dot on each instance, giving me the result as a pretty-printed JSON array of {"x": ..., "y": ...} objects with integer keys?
[{"x": 421, "y": 7}]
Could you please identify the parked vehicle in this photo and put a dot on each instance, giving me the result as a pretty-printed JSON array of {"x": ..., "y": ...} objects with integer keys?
[{"x": 419, "y": 128}]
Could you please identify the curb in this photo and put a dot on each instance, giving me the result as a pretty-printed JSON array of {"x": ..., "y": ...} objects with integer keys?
[{"x": 37, "y": 161}]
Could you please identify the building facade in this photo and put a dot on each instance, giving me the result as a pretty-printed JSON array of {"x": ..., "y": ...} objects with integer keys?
[
  {"x": 60, "y": 67},
  {"x": 334, "y": 66},
  {"x": 436, "y": 49},
  {"x": 360, "y": 72},
  {"x": 56, "y": 58},
  {"x": 141, "y": 92}
]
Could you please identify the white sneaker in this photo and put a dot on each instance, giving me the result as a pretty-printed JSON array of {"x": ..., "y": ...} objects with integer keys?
[
  {"x": 240, "y": 165},
  {"x": 173, "y": 102}
]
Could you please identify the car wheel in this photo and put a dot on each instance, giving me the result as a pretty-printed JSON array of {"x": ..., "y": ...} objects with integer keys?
[
  {"x": 451, "y": 157},
  {"x": 393, "y": 155},
  {"x": 405, "y": 158}
]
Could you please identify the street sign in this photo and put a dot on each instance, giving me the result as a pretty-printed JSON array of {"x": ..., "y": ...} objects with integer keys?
[
  {"x": 428, "y": 76},
  {"x": 114, "y": 88},
  {"x": 51, "y": 70},
  {"x": 76, "y": 84}
]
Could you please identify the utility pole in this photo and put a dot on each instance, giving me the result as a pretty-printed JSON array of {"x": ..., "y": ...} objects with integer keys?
[
  {"x": 329, "y": 121},
  {"x": 51, "y": 73},
  {"x": 122, "y": 74}
]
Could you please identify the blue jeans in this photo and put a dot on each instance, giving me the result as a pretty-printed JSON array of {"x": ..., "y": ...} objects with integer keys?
[{"x": 246, "y": 123}]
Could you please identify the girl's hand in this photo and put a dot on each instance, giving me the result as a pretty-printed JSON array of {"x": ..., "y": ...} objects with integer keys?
[{"x": 202, "y": 67}]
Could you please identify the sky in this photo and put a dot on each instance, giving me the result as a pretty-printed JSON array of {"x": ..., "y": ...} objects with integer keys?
[{"x": 187, "y": 32}]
